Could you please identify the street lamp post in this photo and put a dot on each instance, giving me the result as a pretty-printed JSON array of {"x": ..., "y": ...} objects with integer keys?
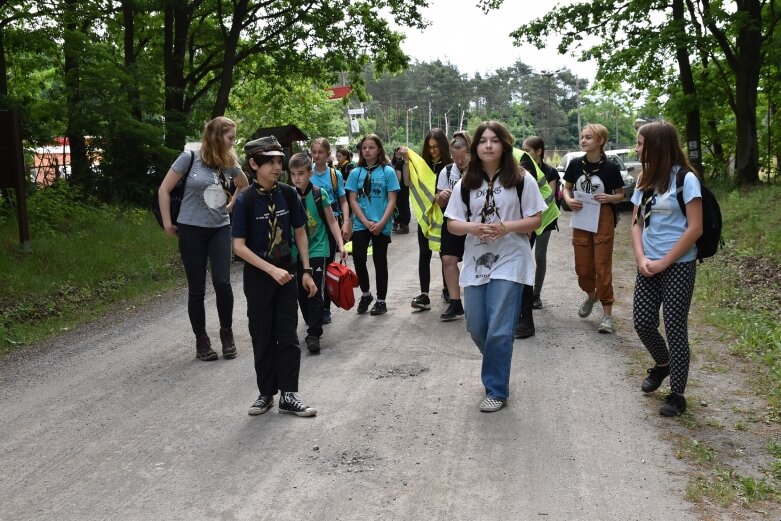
[
  {"x": 550, "y": 75},
  {"x": 406, "y": 125}
]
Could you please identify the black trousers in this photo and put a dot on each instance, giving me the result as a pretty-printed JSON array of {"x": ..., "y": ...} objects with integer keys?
[
  {"x": 312, "y": 307},
  {"x": 402, "y": 203},
  {"x": 380, "y": 242},
  {"x": 197, "y": 245},
  {"x": 272, "y": 311},
  {"x": 527, "y": 298}
]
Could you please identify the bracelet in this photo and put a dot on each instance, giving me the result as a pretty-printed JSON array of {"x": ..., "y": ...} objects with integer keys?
[{"x": 307, "y": 270}]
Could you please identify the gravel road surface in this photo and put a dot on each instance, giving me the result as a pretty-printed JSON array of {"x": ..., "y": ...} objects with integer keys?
[{"x": 118, "y": 420}]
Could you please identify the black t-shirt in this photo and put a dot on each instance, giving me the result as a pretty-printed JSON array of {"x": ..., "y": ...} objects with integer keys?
[
  {"x": 605, "y": 177},
  {"x": 551, "y": 174}
]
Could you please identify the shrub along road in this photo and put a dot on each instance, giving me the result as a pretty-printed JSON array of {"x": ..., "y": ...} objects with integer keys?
[{"x": 118, "y": 420}]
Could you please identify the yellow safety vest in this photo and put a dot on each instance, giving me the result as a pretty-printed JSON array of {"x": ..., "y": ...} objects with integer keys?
[
  {"x": 422, "y": 189},
  {"x": 552, "y": 212}
]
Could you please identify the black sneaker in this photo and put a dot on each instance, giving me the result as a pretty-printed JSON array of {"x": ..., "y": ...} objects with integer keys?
[
  {"x": 403, "y": 229},
  {"x": 313, "y": 344},
  {"x": 537, "y": 303},
  {"x": 228, "y": 345},
  {"x": 261, "y": 405},
  {"x": 453, "y": 311},
  {"x": 656, "y": 376},
  {"x": 363, "y": 304},
  {"x": 379, "y": 309},
  {"x": 446, "y": 296},
  {"x": 289, "y": 403},
  {"x": 421, "y": 302},
  {"x": 525, "y": 327},
  {"x": 674, "y": 405},
  {"x": 326, "y": 317}
]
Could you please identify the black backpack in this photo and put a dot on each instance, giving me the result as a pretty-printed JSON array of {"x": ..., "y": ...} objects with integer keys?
[{"x": 711, "y": 240}]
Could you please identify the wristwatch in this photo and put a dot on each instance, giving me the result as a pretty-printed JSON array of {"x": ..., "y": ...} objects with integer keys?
[{"x": 307, "y": 270}]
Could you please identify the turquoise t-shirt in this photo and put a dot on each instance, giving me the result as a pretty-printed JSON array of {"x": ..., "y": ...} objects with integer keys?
[
  {"x": 324, "y": 181},
  {"x": 667, "y": 221},
  {"x": 374, "y": 201},
  {"x": 316, "y": 230}
]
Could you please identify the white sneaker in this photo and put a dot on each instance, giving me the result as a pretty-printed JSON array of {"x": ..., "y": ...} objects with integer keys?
[
  {"x": 491, "y": 404},
  {"x": 586, "y": 307},
  {"x": 606, "y": 326}
]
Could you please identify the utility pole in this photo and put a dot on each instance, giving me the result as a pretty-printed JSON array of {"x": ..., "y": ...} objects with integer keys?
[{"x": 406, "y": 125}]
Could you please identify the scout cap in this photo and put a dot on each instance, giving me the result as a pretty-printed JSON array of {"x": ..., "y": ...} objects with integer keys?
[{"x": 264, "y": 146}]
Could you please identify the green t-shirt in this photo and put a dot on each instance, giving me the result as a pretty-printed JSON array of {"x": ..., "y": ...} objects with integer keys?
[{"x": 316, "y": 230}]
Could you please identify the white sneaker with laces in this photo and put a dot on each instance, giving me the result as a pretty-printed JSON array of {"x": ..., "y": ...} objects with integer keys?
[{"x": 606, "y": 326}]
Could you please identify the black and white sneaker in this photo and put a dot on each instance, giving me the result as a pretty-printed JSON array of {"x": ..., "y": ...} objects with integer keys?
[
  {"x": 261, "y": 405},
  {"x": 491, "y": 404},
  {"x": 363, "y": 304},
  {"x": 445, "y": 296},
  {"x": 421, "y": 302},
  {"x": 290, "y": 404}
]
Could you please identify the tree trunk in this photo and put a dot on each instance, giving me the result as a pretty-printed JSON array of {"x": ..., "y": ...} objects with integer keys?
[
  {"x": 177, "y": 26},
  {"x": 81, "y": 173},
  {"x": 229, "y": 59},
  {"x": 693, "y": 130},
  {"x": 3, "y": 67},
  {"x": 128, "y": 21},
  {"x": 749, "y": 48}
]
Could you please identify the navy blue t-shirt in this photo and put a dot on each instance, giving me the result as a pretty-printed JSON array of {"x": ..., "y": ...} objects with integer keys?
[{"x": 257, "y": 236}]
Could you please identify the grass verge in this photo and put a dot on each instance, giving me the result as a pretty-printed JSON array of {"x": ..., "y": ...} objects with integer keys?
[{"x": 85, "y": 257}]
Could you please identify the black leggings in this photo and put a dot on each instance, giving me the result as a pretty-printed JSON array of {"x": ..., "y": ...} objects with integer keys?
[
  {"x": 424, "y": 264},
  {"x": 361, "y": 240},
  {"x": 673, "y": 289},
  {"x": 197, "y": 245}
]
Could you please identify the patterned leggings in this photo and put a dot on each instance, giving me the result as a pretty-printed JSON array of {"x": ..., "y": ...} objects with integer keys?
[{"x": 673, "y": 288}]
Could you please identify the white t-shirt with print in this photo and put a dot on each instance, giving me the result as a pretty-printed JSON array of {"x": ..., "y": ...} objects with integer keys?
[
  {"x": 447, "y": 182},
  {"x": 509, "y": 257}
]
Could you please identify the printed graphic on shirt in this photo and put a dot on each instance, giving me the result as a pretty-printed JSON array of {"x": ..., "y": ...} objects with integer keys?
[
  {"x": 214, "y": 196},
  {"x": 590, "y": 184},
  {"x": 484, "y": 263}
]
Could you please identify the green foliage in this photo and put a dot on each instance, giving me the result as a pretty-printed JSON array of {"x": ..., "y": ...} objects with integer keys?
[
  {"x": 750, "y": 308},
  {"x": 84, "y": 257}
]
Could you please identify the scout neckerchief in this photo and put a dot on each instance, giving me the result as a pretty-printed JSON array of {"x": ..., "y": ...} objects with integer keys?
[
  {"x": 272, "y": 209},
  {"x": 366, "y": 189},
  {"x": 489, "y": 206},
  {"x": 302, "y": 196},
  {"x": 590, "y": 169}
]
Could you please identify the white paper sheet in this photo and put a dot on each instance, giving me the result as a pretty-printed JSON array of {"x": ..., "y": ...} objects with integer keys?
[{"x": 588, "y": 217}]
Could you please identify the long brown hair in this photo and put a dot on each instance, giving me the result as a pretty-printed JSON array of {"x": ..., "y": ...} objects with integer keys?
[
  {"x": 382, "y": 158},
  {"x": 510, "y": 173},
  {"x": 661, "y": 151},
  {"x": 213, "y": 150}
]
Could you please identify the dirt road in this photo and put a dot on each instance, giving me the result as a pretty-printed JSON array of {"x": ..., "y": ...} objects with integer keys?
[{"x": 118, "y": 420}]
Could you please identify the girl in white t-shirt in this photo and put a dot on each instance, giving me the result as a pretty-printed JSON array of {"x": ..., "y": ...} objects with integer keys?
[
  {"x": 664, "y": 244},
  {"x": 497, "y": 257}
]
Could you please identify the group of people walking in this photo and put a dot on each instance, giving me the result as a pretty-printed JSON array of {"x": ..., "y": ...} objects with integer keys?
[{"x": 496, "y": 204}]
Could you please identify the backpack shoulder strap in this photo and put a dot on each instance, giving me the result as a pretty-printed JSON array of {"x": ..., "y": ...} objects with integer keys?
[
  {"x": 317, "y": 195},
  {"x": 519, "y": 190},
  {"x": 187, "y": 174},
  {"x": 465, "y": 200},
  {"x": 680, "y": 178},
  {"x": 249, "y": 199},
  {"x": 334, "y": 183}
]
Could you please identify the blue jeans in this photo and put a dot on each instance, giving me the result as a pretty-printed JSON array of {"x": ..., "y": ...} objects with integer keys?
[{"x": 491, "y": 315}]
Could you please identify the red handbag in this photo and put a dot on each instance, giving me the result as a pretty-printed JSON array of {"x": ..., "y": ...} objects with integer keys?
[{"x": 340, "y": 284}]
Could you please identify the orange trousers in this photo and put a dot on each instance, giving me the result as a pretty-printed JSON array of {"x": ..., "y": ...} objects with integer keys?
[{"x": 594, "y": 257}]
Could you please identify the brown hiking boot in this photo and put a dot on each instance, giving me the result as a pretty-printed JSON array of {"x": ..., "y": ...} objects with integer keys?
[
  {"x": 203, "y": 348},
  {"x": 228, "y": 345}
]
